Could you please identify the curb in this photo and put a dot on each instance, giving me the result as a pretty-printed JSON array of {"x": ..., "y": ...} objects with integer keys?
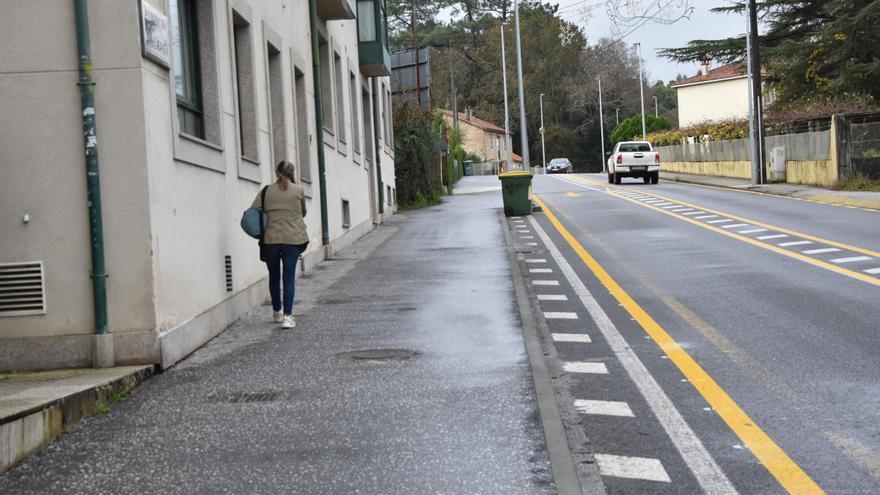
[
  {"x": 26, "y": 432},
  {"x": 562, "y": 462},
  {"x": 816, "y": 198}
]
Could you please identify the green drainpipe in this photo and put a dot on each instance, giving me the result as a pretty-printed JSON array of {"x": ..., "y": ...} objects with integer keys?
[
  {"x": 96, "y": 228},
  {"x": 376, "y": 145},
  {"x": 319, "y": 121}
]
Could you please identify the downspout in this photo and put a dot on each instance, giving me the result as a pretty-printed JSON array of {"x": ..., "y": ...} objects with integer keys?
[
  {"x": 319, "y": 121},
  {"x": 96, "y": 228},
  {"x": 375, "y": 88}
]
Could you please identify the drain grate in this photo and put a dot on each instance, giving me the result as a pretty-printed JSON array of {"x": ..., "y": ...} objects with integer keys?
[
  {"x": 378, "y": 354},
  {"x": 254, "y": 397}
]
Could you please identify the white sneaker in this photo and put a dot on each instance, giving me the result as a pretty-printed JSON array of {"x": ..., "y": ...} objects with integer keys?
[
  {"x": 278, "y": 316},
  {"x": 288, "y": 322}
]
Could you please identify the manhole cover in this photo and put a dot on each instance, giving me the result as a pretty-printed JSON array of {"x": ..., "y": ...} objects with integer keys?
[
  {"x": 253, "y": 397},
  {"x": 378, "y": 354}
]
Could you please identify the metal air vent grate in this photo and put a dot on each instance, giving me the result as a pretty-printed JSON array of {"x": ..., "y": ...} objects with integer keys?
[
  {"x": 227, "y": 260},
  {"x": 22, "y": 289}
]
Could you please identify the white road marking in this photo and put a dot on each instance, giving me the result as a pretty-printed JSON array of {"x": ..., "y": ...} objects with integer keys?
[
  {"x": 774, "y": 236},
  {"x": 705, "y": 217},
  {"x": 545, "y": 282},
  {"x": 640, "y": 468},
  {"x": 526, "y": 237},
  {"x": 734, "y": 226},
  {"x": 560, "y": 315},
  {"x": 582, "y": 367},
  {"x": 536, "y": 260},
  {"x": 706, "y": 471},
  {"x": 723, "y": 220},
  {"x": 604, "y": 407},
  {"x": 665, "y": 203},
  {"x": 693, "y": 213},
  {"x": 820, "y": 251},
  {"x": 851, "y": 259},
  {"x": 794, "y": 243},
  {"x": 531, "y": 244},
  {"x": 540, "y": 270},
  {"x": 751, "y": 231},
  {"x": 523, "y": 231},
  {"x": 671, "y": 206},
  {"x": 873, "y": 271},
  {"x": 683, "y": 209},
  {"x": 552, "y": 297},
  {"x": 581, "y": 338}
]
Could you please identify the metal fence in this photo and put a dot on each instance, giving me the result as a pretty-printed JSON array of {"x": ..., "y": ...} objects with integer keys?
[
  {"x": 865, "y": 140},
  {"x": 801, "y": 146}
]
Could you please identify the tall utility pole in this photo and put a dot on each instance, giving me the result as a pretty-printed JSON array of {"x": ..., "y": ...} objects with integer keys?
[
  {"x": 543, "y": 152},
  {"x": 601, "y": 123},
  {"x": 524, "y": 131},
  {"x": 454, "y": 95},
  {"x": 616, "y": 116},
  {"x": 756, "y": 118},
  {"x": 416, "y": 47},
  {"x": 509, "y": 152},
  {"x": 642, "y": 91},
  {"x": 656, "y": 108}
]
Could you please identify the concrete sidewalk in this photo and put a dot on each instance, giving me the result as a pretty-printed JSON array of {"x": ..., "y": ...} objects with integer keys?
[
  {"x": 407, "y": 373},
  {"x": 855, "y": 199},
  {"x": 477, "y": 184}
]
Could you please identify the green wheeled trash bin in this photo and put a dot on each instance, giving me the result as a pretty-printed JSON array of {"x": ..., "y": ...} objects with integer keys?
[{"x": 515, "y": 188}]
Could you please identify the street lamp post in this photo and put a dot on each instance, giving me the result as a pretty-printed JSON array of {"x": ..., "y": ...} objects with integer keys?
[
  {"x": 656, "y": 108},
  {"x": 601, "y": 123},
  {"x": 524, "y": 132},
  {"x": 616, "y": 116},
  {"x": 543, "y": 152},
  {"x": 642, "y": 91},
  {"x": 506, "y": 111}
]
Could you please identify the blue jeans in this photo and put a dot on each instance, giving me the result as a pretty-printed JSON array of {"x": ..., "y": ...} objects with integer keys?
[{"x": 281, "y": 260}]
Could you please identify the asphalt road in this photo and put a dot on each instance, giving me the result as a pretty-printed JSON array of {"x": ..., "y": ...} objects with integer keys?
[{"x": 756, "y": 317}]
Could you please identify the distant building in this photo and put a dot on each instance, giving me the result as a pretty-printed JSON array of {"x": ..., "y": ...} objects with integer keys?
[
  {"x": 195, "y": 102},
  {"x": 714, "y": 95},
  {"x": 480, "y": 138},
  {"x": 403, "y": 77}
]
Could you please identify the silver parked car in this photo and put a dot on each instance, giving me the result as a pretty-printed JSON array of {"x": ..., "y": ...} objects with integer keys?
[{"x": 560, "y": 166}]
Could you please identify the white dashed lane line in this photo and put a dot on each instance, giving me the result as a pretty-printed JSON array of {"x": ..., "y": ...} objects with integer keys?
[
  {"x": 751, "y": 231},
  {"x": 578, "y": 338},
  {"x": 794, "y": 243},
  {"x": 706, "y": 216},
  {"x": 723, "y": 220},
  {"x": 536, "y": 261},
  {"x": 586, "y": 367},
  {"x": 560, "y": 315},
  {"x": 774, "y": 236},
  {"x": 540, "y": 270},
  {"x": 734, "y": 226},
  {"x": 604, "y": 407},
  {"x": 873, "y": 271},
  {"x": 545, "y": 282},
  {"x": 641, "y": 468},
  {"x": 552, "y": 297},
  {"x": 820, "y": 251},
  {"x": 852, "y": 259}
]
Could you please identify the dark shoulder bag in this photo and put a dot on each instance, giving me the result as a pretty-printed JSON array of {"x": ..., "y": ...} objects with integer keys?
[{"x": 262, "y": 225}]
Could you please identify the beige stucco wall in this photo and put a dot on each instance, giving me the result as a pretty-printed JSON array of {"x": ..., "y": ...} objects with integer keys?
[
  {"x": 737, "y": 169},
  {"x": 713, "y": 101},
  {"x": 812, "y": 172},
  {"x": 43, "y": 169},
  {"x": 171, "y": 205}
]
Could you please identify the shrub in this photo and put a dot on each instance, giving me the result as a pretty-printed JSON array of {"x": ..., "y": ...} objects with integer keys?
[
  {"x": 631, "y": 128},
  {"x": 416, "y": 154}
]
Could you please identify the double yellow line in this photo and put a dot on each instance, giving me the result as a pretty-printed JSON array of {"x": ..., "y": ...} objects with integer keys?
[
  {"x": 792, "y": 478},
  {"x": 770, "y": 247}
]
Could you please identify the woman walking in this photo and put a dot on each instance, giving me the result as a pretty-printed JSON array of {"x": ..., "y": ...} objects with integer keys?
[{"x": 285, "y": 239}]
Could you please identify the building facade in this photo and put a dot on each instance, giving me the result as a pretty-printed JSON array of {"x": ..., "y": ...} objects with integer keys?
[
  {"x": 481, "y": 138},
  {"x": 713, "y": 95},
  {"x": 194, "y": 103}
]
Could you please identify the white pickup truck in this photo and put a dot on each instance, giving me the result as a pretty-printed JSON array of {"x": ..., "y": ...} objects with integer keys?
[{"x": 634, "y": 159}]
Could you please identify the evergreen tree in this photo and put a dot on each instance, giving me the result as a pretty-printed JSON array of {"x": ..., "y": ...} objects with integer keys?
[{"x": 813, "y": 50}]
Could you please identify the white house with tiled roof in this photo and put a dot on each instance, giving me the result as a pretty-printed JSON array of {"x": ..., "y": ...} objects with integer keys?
[{"x": 713, "y": 95}]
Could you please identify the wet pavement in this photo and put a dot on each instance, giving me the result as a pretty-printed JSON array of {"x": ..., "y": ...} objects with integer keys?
[{"x": 263, "y": 410}]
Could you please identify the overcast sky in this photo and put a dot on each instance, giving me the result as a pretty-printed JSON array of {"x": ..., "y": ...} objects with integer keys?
[{"x": 702, "y": 24}]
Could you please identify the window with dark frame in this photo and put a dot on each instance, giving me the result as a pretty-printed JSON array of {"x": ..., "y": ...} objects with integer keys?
[
  {"x": 302, "y": 126},
  {"x": 187, "y": 70},
  {"x": 368, "y": 126},
  {"x": 244, "y": 76},
  {"x": 355, "y": 115},
  {"x": 276, "y": 103},
  {"x": 326, "y": 85},
  {"x": 340, "y": 99}
]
